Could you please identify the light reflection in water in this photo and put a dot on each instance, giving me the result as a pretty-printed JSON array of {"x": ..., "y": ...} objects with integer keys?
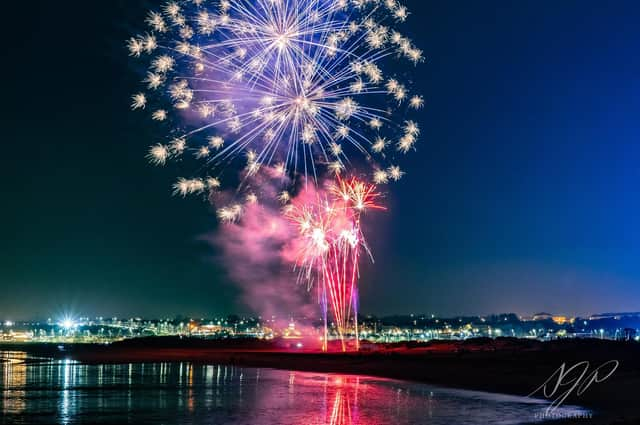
[
  {"x": 64, "y": 405},
  {"x": 190, "y": 396},
  {"x": 14, "y": 375},
  {"x": 341, "y": 411},
  {"x": 66, "y": 392}
]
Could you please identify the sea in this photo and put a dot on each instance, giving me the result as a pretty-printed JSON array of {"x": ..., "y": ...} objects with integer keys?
[{"x": 57, "y": 391}]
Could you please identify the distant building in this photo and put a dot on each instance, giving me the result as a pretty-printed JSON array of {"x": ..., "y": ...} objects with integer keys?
[
  {"x": 560, "y": 320},
  {"x": 542, "y": 316},
  {"x": 18, "y": 336}
]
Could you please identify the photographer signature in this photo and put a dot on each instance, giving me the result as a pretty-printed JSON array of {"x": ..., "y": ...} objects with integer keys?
[{"x": 576, "y": 378}]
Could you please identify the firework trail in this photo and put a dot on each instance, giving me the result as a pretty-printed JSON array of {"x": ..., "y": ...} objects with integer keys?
[
  {"x": 298, "y": 85},
  {"x": 329, "y": 247}
]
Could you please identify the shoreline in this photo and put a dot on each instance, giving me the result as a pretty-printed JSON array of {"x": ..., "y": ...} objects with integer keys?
[{"x": 507, "y": 366}]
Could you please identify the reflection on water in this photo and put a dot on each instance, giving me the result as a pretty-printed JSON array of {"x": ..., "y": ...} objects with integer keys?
[
  {"x": 14, "y": 375},
  {"x": 61, "y": 391}
]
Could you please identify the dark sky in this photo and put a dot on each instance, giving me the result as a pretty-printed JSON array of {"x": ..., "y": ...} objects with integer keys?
[{"x": 523, "y": 195}]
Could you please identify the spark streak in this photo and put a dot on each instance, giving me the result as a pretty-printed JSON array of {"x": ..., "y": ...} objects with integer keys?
[{"x": 332, "y": 242}]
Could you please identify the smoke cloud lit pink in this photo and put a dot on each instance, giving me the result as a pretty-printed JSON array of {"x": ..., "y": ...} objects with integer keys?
[
  {"x": 257, "y": 252},
  {"x": 316, "y": 238}
]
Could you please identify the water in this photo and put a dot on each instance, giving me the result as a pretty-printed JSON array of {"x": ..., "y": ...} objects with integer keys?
[{"x": 36, "y": 391}]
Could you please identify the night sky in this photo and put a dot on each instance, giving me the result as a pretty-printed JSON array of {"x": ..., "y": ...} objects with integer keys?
[{"x": 522, "y": 197}]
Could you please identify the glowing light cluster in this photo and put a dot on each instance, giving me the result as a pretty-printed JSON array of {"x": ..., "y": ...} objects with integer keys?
[{"x": 298, "y": 85}]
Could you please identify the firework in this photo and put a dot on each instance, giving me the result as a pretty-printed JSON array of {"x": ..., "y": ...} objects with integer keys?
[
  {"x": 300, "y": 85},
  {"x": 290, "y": 91},
  {"x": 331, "y": 242}
]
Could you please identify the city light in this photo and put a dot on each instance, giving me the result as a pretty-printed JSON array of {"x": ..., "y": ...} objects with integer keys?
[
  {"x": 309, "y": 333},
  {"x": 68, "y": 323}
]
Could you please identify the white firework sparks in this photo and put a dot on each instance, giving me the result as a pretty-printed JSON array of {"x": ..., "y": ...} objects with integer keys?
[
  {"x": 380, "y": 177},
  {"x": 184, "y": 187},
  {"x": 416, "y": 102},
  {"x": 158, "y": 154},
  {"x": 138, "y": 101},
  {"x": 178, "y": 146},
  {"x": 292, "y": 82},
  {"x": 230, "y": 214},
  {"x": 216, "y": 142},
  {"x": 395, "y": 173},
  {"x": 159, "y": 115}
]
